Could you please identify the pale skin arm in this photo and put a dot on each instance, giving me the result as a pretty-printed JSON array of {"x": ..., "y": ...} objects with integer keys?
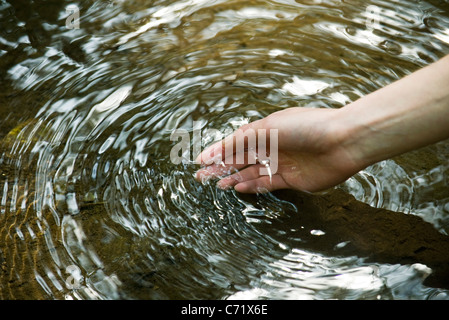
[{"x": 321, "y": 148}]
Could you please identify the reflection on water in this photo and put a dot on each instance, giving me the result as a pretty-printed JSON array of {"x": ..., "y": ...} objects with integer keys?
[{"x": 91, "y": 206}]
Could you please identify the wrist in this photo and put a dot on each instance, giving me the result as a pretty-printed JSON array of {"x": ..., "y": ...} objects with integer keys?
[{"x": 351, "y": 141}]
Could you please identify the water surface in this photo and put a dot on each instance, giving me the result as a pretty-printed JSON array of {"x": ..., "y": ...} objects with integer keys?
[{"x": 91, "y": 207}]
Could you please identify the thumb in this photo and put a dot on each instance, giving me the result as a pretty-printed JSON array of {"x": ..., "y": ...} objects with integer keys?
[{"x": 242, "y": 138}]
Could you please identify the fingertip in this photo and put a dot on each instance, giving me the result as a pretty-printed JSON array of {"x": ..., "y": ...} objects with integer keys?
[
  {"x": 199, "y": 175},
  {"x": 260, "y": 185},
  {"x": 243, "y": 188},
  {"x": 204, "y": 157},
  {"x": 223, "y": 185},
  {"x": 205, "y": 174},
  {"x": 228, "y": 182},
  {"x": 210, "y": 156}
]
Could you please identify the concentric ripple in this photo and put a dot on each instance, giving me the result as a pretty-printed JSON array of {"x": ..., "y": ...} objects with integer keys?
[{"x": 91, "y": 205}]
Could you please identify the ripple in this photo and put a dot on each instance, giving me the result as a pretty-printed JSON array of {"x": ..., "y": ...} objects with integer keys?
[
  {"x": 92, "y": 206},
  {"x": 383, "y": 185}
]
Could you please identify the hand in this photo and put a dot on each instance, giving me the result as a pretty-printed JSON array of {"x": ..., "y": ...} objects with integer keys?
[{"x": 309, "y": 155}]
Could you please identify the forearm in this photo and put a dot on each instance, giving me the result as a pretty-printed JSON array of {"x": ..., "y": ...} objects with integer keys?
[{"x": 408, "y": 114}]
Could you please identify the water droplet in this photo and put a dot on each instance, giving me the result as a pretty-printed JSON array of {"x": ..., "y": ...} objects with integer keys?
[{"x": 317, "y": 232}]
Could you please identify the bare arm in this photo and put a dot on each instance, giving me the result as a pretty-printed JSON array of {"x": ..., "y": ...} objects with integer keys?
[{"x": 405, "y": 115}]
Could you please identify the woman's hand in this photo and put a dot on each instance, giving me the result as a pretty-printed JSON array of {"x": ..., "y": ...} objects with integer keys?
[{"x": 309, "y": 155}]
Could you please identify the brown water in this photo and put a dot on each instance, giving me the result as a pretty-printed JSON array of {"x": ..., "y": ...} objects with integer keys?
[{"x": 91, "y": 207}]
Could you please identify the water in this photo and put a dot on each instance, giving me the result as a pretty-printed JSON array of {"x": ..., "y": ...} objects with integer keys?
[{"x": 91, "y": 207}]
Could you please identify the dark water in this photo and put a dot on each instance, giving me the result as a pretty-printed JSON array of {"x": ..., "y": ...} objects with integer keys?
[{"x": 91, "y": 207}]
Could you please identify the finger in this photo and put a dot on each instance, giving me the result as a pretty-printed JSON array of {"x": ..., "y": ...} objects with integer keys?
[
  {"x": 249, "y": 173},
  {"x": 227, "y": 167},
  {"x": 252, "y": 178},
  {"x": 239, "y": 140},
  {"x": 214, "y": 171},
  {"x": 262, "y": 184}
]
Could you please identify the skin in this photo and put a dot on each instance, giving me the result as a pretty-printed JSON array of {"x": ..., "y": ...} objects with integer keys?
[{"x": 320, "y": 148}]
